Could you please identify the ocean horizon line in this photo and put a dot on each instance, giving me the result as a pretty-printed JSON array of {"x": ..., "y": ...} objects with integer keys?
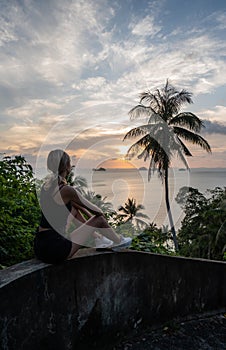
[{"x": 139, "y": 168}]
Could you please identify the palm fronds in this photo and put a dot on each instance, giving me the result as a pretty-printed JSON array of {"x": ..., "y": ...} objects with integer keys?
[
  {"x": 193, "y": 138},
  {"x": 131, "y": 212},
  {"x": 188, "y": 120},
  {"x": 160, "y": 138},
  {"x": 140, "y": 111},
  {"x": 185, "y": 149},
  {"x": 177, "y": 99},
  {"x": 139, "y": 131}
]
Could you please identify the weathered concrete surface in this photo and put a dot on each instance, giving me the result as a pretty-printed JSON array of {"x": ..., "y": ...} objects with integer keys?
[
  {"x": 207, "y": 333},
  {"x": 91, "y": 299}
]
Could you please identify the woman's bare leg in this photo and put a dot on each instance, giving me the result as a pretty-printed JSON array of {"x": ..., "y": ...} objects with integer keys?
[
  {"x": 82, "y": 233},
  {"x": 86, "y": 230},
  {"x": 106, "y": 230},
  {"x": 77, "y": 215}
]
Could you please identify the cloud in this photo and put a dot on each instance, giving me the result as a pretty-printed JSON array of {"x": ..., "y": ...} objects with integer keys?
[
  {"x": 6, "y": 32},
  {"x": 216, "y": 19},
  {"x": 145, "y": 27},
  {"x": 40, "y": 31},
  {"x": 214, "y": 127},
  {"x": 217, "y": 114},
  {"x": 222, "y": 20},
  {"x": 93, "y": 84},
  {"x": 72, "y": 65},
  {"x": 91, "y": 47}
]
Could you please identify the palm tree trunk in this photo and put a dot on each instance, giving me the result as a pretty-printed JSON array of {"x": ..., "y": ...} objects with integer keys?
[{"x": 169, "y": 210}]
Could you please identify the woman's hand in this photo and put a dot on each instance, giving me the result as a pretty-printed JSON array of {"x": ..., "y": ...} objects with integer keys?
[{"x": 78, "y": 201}]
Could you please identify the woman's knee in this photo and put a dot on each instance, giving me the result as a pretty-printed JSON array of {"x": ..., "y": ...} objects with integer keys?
[{"x": 101, "y": 221}]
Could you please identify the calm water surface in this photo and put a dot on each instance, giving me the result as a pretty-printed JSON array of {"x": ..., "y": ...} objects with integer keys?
[{"x": 119, "y": 184}]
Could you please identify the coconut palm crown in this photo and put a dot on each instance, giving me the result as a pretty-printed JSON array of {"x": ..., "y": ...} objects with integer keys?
[
  {"x": 132, "y": 211},
  {"x": 164, "y": 133}
]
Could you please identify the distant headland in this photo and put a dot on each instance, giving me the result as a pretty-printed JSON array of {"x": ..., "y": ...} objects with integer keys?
[
  {"x": 143, "y": 168},
  {"x": 99, "y": 169}
]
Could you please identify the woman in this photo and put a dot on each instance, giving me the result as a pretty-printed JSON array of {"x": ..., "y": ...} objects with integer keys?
[{"x": 60, "y": 204}]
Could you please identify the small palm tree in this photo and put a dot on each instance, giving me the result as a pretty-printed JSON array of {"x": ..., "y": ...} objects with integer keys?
[
  {"x": 163, "y": 134},
  {"x": 131, "y": 212},
  {"x": 80, "y": 183}
]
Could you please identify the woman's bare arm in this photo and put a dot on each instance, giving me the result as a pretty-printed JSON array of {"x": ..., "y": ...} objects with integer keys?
[{"x": 68, "y": 193}]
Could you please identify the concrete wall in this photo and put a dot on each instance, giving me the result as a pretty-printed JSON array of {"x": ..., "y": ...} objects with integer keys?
[{"x": 97, "y": 296}]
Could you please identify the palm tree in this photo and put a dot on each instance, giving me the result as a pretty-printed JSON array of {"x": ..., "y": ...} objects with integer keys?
[
  {"x": 162, "y": 134},
  {"x": 80, "y": 183},
  {"x": 131, "y": 211}
]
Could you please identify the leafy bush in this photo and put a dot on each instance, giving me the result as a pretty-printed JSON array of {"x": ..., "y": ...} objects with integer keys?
[
  {"x": 19, "y": 210},
  {"x": 153, "y": 240},
  {"x": 203, "y": 230}
]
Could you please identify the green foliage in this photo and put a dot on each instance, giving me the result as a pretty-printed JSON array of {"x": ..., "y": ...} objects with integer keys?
[
  {"x": 163, "y": 135},
  {"x": 20, "y": 214},
  {"x": 203, "y": 230},
  {"x": 99, "y": 201},
  {"x": 132, "y": 212},
  {"x": 78, "y": 181},
  {"x": 202, "y": 233},
  {"x": 153, "y": 240},
  {"x": 19, "y": 210},
  {"x": 127, "y": 228}
]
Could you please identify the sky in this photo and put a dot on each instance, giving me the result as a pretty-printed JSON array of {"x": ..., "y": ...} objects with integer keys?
[{"x": 71, "y": 71}]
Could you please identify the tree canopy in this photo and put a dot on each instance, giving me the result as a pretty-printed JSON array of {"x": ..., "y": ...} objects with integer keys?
[
  {"x": 164, "y": 133},
  {"x": 19, "y": 210},
  {"x": 203, "y": 229}
]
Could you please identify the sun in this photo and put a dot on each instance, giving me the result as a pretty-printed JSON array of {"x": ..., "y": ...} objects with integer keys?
[{"x": 117, "y": 164}]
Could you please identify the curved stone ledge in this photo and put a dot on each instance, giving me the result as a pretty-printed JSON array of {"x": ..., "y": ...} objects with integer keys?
[{"x": 97, "y": 296}]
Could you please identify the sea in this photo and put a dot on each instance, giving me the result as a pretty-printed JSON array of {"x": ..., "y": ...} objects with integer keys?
[{"x": 117, "y": 185}]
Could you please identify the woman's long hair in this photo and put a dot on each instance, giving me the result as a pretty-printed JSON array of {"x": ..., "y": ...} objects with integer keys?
[{"x": 57, "y": 163}]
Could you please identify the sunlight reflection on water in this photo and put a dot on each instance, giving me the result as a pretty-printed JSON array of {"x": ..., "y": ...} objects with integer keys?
[{"x": 120, "y": 184}]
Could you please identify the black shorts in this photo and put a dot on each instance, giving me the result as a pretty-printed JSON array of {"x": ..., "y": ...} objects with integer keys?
[{"x": 51, "y": 247}]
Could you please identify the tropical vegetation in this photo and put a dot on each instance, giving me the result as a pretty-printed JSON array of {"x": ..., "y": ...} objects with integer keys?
[
  {"x": 202, "y": 232},
  {"x": 153, "y": 240},
  {"x": 203, "y": 229},
  {"x": 19, "y": 210},
  {"x": 164, "y": 133},
  {"x": 131, "y": 211}
]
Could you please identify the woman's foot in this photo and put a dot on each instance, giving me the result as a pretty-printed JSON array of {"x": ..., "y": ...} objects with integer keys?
[
  {"x": 125, "y": 242},
  {"x": 103, "y": 242}
]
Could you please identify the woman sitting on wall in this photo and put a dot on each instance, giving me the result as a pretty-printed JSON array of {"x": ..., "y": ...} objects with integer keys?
[{"x": 60, "y": 204}]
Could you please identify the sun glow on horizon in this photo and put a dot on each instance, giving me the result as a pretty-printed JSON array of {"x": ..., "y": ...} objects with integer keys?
[{"x": 117, "y": 163}]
